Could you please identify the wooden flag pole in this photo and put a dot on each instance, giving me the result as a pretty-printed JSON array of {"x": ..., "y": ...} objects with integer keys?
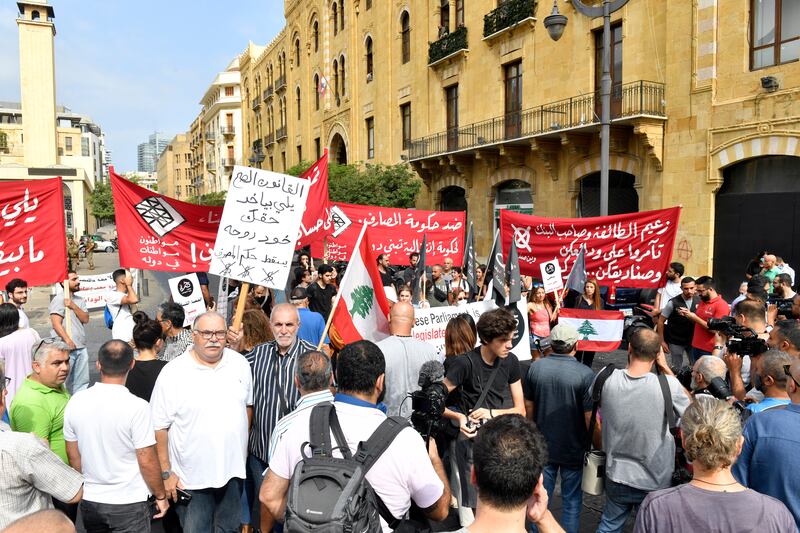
[
  {"x": 244, "y": 289},
  {"x": 67, "y": 316},
  {"x": 328, "y": 322}
]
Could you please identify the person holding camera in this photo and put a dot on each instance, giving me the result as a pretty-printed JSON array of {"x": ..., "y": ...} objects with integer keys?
[
  {"x": 558, "y": 399},
  {"x": 405, "y": 471},
  {"x": 711, "y": 306},
  {"x": 489, "y": 381},
  {"x": 782, "y": 290},
  {"x": 744, "y": 368},
  {"x": 640, "y": 450},
  {"x": 704, "y": 372},
  {"x": 713, "y": 500}
]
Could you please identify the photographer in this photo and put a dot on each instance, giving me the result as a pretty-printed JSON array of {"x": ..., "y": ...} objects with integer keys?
[
  {"x": 748, "y": 314},
  {"x": 706, "y": 369},
  {"x": 784, "y": 302},
  {"x": 489, "y": 382}
]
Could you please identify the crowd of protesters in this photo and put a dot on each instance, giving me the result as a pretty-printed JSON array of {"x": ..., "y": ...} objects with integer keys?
[{"x": 205, "y": 427}]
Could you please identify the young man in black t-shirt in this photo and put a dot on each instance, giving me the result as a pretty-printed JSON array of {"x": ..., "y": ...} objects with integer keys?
[{"x": 321, "y": 292}]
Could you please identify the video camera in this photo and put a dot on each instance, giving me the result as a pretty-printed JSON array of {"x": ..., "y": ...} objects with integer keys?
[
  {"x": 784, "y": 305},
  {"x": 428, "y": 403},
  {"x": 741, "y": 339},
  {"x": 720, "y": 389}
]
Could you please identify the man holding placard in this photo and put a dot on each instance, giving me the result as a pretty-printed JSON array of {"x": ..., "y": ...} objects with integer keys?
[{"x": 75, "y": 338}]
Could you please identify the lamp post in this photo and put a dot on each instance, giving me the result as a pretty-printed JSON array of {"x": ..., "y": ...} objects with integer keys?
[{"x": 555, "y": 24}]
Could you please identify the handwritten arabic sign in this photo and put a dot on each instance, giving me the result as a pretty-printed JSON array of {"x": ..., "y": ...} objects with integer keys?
[
  {"x": 94, "y": 288},
  {"x": 259, "y": 227},
  {"x": 186, "y": 293},
  {"x": 397, "y": 232},
  {"x": 160, "y": 233},
  {"x": 630, "y": 250},
  {"x": 33, "y": 242}
]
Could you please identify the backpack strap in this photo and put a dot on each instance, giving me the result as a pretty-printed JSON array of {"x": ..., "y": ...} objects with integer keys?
[
  {"x": 669, "y": 412},
  {"x": 323, "y": 421},
  {"x": 597, "y": 393}
]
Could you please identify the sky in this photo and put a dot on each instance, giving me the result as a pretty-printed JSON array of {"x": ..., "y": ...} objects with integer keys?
[{"x": 139, "y": 66}]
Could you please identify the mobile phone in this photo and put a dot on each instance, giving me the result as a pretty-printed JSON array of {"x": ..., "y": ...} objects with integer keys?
[{"x": 183, "y": 497}]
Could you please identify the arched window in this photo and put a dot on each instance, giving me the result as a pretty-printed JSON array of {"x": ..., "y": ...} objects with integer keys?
[
  {"x": 335, "y": 11},
  {"x": 336, "y": 78},
  {"x": 297, "y": 52},
  {"x": 35, "y": 15},
  {"x": 297, "y": 98},
  {"x": 315, "y": 31},
  {"x": 341, "y": 14},
  {"x": 444, "y": 17},
  {"x": 368, "y": 46},
  {"x": 405, "y": 33},
  {"x": 316, "y": 92},
  {"x": 341, "y": 73}
]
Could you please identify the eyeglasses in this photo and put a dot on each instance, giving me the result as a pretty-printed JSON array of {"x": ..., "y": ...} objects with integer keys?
[
  {"x": 787, "y": 371},
  {"x": 46, "y": 340},
  {"x": 6, "y": 383},
  {"x": 208, "y": 335}
]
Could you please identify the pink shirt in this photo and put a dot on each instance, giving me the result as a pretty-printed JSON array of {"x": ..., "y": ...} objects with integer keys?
[
  {"x": 16, "y": 349},
  {"x": 540, "y": 322}
]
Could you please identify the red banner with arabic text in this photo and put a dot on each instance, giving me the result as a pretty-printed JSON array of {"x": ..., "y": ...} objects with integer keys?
[
  {"x": 630, "y": 250},
  {"x": 396, "y": 232},
  {"x": 33, "y": 239},
  {"x": 316, "y": 224},
  {"x": 156, "y": 232}
]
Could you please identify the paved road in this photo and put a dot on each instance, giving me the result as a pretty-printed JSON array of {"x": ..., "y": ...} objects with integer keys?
[{"x": 155, "y": 291}]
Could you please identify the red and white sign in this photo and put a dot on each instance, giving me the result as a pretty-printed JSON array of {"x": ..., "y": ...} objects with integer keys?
[
  {"x": 33, "y": 241},
  {"x": 630, "y": 250},
  {"x": 156, "y": 232},
  {"x": 599, "y": 331},
  {"x": 397, "y": 232}
]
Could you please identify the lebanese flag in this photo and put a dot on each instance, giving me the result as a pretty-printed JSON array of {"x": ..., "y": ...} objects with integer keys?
[
  {"x": 361, "y": 308},
  {"x": 599, "y": 331},
  {"x": 316, "y": 224}
]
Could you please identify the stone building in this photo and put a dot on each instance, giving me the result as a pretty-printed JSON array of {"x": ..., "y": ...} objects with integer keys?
[
  {"x": 173, "y": 169},
  {"x": 492, "y": 113}
]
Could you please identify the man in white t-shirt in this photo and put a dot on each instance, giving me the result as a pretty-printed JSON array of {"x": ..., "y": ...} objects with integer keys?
[
  {"x": 404, "y": 472},
  {"x": 110, "y": 439},
  {"x": 119, "y": 302},
  {"x": 669, "y": 291},
  {"x": 201, "y": 404}
]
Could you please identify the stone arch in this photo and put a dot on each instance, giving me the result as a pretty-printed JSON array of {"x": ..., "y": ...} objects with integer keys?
[
  {"x": 750, "y": 146},
  {"x": 621, "y": 162},
  {"x": 337, "y": 128},
  {"x": 508, "y": 173},
  {"x": 440, "y": 183}
]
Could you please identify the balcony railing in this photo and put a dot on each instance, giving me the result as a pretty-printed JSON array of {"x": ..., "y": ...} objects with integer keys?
[
  {"x": 269, "y": 140},
  {"x": 228, "y": 130},
  {"x": 258, "y": 154},
  {"x": 629, "y": 100},
  {"x": 280, "y": 83},
  {"x": 449, "y": 44},
  {"x": 228, "y": 162},
  {"x": 256, "y": 103},
  {"x": 210, "y": 136},
  {"x": 280, "y": 133},
  {"x": 211, "y": 165},
  {"x": 267, "y": 94},
  {"x": 507, "y": 14}
]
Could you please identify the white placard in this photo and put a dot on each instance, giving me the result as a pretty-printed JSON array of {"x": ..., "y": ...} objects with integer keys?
[
  {"x": 186, "y": 293},
  {"x": 259, "y": 227},
  {"x": 95, "y": 287},
  {"x": 430, "y": 324},
  {"x": 551, "y": 276}
]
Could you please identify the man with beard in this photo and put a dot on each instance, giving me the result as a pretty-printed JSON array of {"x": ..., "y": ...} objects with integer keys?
[
  {"x": 711, "y": 306},
  {"x": 408, "y": 273},
  {"x": 75, "y": 338},
  {"x": 675, "y": 329},
  {"x": 321, "y": 292},
  {"x": 17, "y": 290},
  {"x": 275, "y": 393},
  {"x": 671, "y": 289},
  {"x": 782, "y": 286}
]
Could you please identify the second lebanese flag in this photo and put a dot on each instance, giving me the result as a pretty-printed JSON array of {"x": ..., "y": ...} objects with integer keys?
[
  {"x": 362, "y": 308},
  {"x": 599, "y": 331}
]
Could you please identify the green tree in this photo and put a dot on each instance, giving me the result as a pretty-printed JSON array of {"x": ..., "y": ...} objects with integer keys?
[
  {"x": 212, "y": 198},
  {"x": 362, "y": 301},
  {"x": 102, "y": 202},
  {"x": 587, "y": 329},
  {"x": 381, "y": 185}
]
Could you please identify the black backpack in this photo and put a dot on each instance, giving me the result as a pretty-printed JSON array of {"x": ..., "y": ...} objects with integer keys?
[{"x": 332, "y": 495}]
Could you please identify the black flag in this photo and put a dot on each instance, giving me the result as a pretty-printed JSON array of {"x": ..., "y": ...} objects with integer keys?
[
  {"x": 497, "y": 270},
  {"x": 419, "y": 273},
  {"x": 513, "y": 279},
  {"x": 470, "y": 262}
]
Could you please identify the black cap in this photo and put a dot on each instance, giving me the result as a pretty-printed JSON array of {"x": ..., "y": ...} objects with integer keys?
[{"x": 298, "y": 293}]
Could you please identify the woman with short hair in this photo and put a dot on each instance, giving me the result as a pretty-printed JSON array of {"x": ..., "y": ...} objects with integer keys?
[{"x": 713, "y": 500}]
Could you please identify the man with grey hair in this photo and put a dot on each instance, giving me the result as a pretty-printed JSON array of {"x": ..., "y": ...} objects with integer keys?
[
  {"x": 177, "y": 339},
  {"x": 558, "y": 398},
  {"x": 32, "y": 475},
  {"x": 773, "y": 381},
  {"x": 704, "y": 370},
  {"x": 201, "y": 407}
]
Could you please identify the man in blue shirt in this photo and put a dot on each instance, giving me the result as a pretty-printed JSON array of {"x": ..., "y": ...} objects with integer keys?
[
  {"x": 773, "y": 381},
  {"x": 770, "y": 458},
  {"x": 312, "y": 325}
]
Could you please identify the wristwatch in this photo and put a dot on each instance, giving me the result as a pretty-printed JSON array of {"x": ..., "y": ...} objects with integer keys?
[{"x": 165, "y": 474}]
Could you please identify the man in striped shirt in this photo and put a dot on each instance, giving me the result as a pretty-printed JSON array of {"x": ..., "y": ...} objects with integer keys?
[{"x": 275, "y": 393}]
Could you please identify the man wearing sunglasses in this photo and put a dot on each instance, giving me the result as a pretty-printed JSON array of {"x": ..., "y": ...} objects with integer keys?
[
  {"x": 768, "y": 462},
  {"x": 201, "y": 407}
]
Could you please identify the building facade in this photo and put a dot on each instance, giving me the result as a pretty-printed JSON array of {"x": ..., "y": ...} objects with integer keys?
[
  {"x": 174, "y": 169},
  {"x": 492, "y": 113},
  {"x": 147, "y": 153}
]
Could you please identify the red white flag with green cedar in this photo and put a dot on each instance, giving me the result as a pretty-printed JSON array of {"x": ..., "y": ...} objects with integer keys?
[
  {"x": 361, "y": 308},
  {"x": 598, "y": 331}
]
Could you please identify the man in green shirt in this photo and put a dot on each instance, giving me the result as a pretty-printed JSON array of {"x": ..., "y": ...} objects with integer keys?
[{"x": 38, "y": 406}]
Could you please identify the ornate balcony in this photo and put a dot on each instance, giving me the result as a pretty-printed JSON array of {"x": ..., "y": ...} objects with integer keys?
[
  {"x": 267, "y": 94},
  {"x": 258, "y": 154},
  {"x": 280, "y": 133},
  {"x": 640, "y": 99},
  {"x": 227, "y": 131},
  {"x": 447, "y": 45},
  {"x": 211, "y": 166},
  {"x": 210, "y": 137},
  {"x": 280, "y": 84},
  {"x": 269, "y": 140},
  {"x": 227, "y": 162},
  {"x": 507, "y": 15},
  {"x": 256, "y": 103}
]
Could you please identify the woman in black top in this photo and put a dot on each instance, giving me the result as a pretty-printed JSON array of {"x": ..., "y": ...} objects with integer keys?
[
  {"x": 589, "y": 299},
  {"x": 147, "y": 339}
]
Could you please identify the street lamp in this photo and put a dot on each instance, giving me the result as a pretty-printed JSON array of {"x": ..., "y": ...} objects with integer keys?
[{"x": 555, "y": 24}]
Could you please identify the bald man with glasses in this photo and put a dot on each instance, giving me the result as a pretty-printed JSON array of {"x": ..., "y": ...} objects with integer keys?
[{"x": 201, "y": 407}]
